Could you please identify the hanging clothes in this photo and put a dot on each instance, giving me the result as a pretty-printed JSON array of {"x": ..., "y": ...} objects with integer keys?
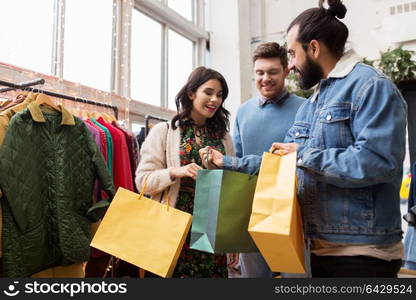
[
  {"x": 5, "y": 117},
  {"x": 110, "y": 147},
  {"x": 7, "y": 114},
  {"x": 9, "y": 104},
  {"x": 121, "y": 162},
  {"x": 103, "y": 140},
  {"x": 96, "y": 137},
  {"x": 122, "y": 175},
  {"x": 4, "y": 104},
  {"x": 133, "y": 149},
  {"x": 107, "y": 144},
  {"x": 48, "y": 164}
]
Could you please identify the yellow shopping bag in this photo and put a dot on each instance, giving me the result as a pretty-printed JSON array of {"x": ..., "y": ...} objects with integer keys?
[
  {"x": 143, "y": 232},
  {"x": 275, "y": 222}
]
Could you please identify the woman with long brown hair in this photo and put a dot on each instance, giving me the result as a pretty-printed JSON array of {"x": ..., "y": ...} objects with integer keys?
[{"x": 170, "y": 159}]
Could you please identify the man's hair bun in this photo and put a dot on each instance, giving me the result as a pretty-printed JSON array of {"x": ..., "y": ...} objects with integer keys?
[{"x": 337, "y": 8}]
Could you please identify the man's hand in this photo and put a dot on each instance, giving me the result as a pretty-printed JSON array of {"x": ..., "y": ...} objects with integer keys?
[
  {"x": 283, "y": 148},
  {"x": 190, "y": 170},
  {"x": 214, "y": 157}
]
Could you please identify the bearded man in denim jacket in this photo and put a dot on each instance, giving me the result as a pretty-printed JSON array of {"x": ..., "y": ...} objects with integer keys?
[{"x": 350, "y": 143}]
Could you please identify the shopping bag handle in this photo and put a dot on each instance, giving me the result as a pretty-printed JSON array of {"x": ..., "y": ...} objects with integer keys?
[
  {"x": 144, "y": 188},
  {"x": 210, "y": 162},
  {"x": 256, "y": 173},
  {"x": 281, "y": 152},
  {"x": 167, "y": 198}
]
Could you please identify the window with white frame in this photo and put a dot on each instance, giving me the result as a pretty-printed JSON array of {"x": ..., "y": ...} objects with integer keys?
[
  {"x": 179, "y": 64},
  {"x": 406, "y": 7},
  {"x": 399, "y": 8},
  {"x": 182, "y": 7},
  {"x": 182, "y": 47},
  {"x": 146, "y": 59},
  {"x": 88, "y": 42},
  {"x": 26, "y": 33},
  {"x": 75, "y": 40}
]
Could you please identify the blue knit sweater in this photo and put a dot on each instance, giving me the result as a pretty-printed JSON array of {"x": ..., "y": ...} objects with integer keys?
[{"x": 256, "y": 128}]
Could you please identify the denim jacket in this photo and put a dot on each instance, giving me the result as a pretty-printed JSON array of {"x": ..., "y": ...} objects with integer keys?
[{"x": 351, "y": 135}]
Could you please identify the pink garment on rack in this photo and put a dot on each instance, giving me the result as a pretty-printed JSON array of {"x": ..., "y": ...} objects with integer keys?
[{"x": 121, "y": 160}]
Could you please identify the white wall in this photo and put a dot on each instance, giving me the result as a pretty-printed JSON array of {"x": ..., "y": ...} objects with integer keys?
[
  {"x": 372, "y": 28},
  {"x": 228, "y": 25},
  {"x": 400, "y": 28},
  {"x": 238, "y": 26}
]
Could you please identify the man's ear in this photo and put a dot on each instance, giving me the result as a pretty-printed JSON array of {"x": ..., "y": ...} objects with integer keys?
[
  {"x": 286, "y": 72},
  {"x": 315, "y": 48}
]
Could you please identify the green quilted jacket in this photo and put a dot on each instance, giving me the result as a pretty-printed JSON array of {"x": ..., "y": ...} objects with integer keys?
[{"x": 48, "y": 165}]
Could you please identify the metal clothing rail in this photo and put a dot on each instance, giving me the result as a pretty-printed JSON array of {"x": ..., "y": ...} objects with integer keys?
[
  {"x": 24, "y": 86},
  {"x": 148, "y": 118}
]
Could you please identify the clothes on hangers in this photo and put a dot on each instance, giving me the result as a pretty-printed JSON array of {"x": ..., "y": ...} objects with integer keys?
[
  {"x": 123, "y": 177},
  {"x": 133, "y": 149},
  {"x": 4, "y": 104},
  {"x": 7, "y": 114},
  {"x": 103, "y": 141},
  {"x": 48, "y": 165},
  {"x": 118, "y": 148},
  {"x": 5, "y": 117},
  {"x": 10, "y": 103},
  {"x": 121, "y": 163},
  {"x": 109, "y": 140},
  {"x": 96, "y": 137},
  {"x": 27, "y": 87}
]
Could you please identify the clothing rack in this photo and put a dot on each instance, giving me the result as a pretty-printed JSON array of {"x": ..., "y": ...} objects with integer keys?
[
  {"x": 22, "y": 85},
  {"x": 150, "y": 117},
  {"x": 25, "y": 86}
]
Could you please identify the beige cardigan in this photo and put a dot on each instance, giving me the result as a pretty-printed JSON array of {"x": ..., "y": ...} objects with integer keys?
[{"x": 159, "y": 153}]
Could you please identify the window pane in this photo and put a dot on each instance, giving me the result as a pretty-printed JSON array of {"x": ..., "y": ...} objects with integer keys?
[
  {"x": 180, "y": 65},
  {"x": 407, "y": 7},
  {"x": 26, "y": 33},
  {"x": 146, "y": 59},
  {"x": 399, "y": 8},
  {"x": 88, "y": 39},
  {"x": 183, "y": 7},
  {"x": 136, "y": 128}
]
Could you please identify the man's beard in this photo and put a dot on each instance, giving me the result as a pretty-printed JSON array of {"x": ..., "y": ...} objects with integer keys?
[{"x": 310, "y": 74}]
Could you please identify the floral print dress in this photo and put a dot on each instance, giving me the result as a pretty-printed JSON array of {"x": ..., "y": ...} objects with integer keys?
[{"x": 193, "y": 263}]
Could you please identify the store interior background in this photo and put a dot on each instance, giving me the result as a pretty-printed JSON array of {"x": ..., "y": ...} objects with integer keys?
[{"x": 136, "y": 54}]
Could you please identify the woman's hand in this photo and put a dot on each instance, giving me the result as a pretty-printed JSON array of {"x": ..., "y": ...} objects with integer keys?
[
  {"x": 214, "y": 157},
  {"x": 283, "y": 148},
  {"x": 190, "y": 170}
]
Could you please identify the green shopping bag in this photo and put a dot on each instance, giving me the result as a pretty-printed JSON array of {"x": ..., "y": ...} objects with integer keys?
[{"x": 222, "y": 209}]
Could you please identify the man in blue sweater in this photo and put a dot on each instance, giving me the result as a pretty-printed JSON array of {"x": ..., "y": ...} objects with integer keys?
[{"x": 261, "y": 121}]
